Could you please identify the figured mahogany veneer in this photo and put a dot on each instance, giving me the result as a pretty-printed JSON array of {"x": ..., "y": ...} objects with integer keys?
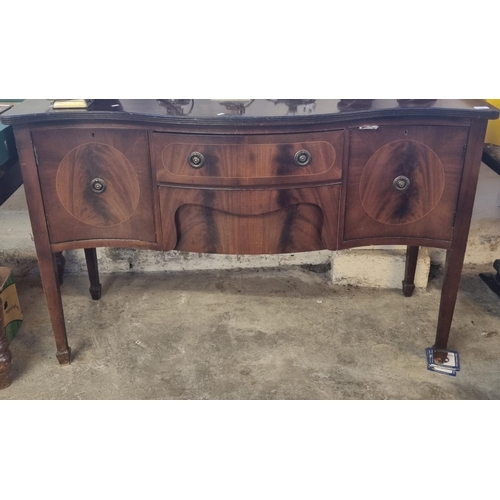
[
  {"x": 377, "y": 172},
  {"x": 74, "y": 211},
  {"x": 430, "y": 157},
  {"x": 248, "y": 160},
  {"x": 121, "y": 189},
  {"x": 252, "y": 221}
]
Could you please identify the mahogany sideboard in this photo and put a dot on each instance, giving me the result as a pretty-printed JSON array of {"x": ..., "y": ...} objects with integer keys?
[{"x": 255, "y": 177}]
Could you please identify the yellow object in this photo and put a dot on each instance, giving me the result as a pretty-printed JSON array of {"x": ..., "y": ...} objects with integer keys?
[
  {"x": 71, "y": 103},
  {"x": 493, "y": 131}
]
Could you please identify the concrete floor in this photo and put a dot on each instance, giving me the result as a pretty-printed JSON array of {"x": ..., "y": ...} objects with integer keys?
[{"x": 272, "y": 334}]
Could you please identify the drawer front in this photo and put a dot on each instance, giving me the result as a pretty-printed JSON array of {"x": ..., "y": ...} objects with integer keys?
[
  {"x": 248, "y": 160},
  {"x": 258, "y": 221},
  {"x": 404, "y": 182},
  {"x": 96, "y": 184}
]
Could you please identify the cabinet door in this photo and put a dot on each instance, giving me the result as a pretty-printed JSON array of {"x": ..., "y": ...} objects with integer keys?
[
  {"x": 403, "y": 182},
  {"x": 96, "y": 183}
]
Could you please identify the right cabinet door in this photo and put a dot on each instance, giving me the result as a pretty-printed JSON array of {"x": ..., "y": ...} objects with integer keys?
[{"x": 403, "y": 182}]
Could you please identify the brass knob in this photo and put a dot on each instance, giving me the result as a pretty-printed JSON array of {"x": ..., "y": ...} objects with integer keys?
[
  {"x": 401, "y": 183},
  {"x": 196, "y": 160},
  {"x": 302, "y": 158},
  {"x": 98, "y": 186}
]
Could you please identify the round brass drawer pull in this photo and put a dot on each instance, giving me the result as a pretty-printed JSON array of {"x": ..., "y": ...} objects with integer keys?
[
  {"x": 196, "y": 160},
  {"x": 98, "y": 186},
  {"x": 302, "y": 158},
  {"x": 401, "y": 183}
]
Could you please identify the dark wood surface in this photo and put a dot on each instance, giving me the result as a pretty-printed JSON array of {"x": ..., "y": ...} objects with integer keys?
[
  {"x": 410, "y": 269},
  {"x": 430, "y": 157},
  {"x": 46, "y": 258},
  {"x": 261, "y": 112},
  {"x": 248, "y": 160},
  {"x": 265, "y": 221},
  {"x": 249, "y": 197},
  {"x": 455, "y": 256},
  {"x": 121, "y": 159},
  {"x": 93, "y": 269}
]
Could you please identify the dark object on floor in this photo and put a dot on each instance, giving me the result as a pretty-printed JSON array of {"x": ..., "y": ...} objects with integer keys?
[
  {"x": 61, "y": 266},
  {"x": 491, "y": 158},
  {"x": 493, "y": 280}
]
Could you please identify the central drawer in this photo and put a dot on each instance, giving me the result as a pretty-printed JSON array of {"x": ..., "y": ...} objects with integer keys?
[
  {"x": 250, "y": 221},
  {"x": 257, "y": 160}
]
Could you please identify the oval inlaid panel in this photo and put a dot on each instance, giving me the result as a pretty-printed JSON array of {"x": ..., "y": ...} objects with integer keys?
[
  {"x": 98, "y": 161},
  {"x": 410, "y": 159},
  {"x": 234, "y": 161}
]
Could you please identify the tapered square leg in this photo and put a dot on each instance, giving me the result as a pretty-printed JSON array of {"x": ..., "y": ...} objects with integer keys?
[
  {"x": 93, "y": 270},
  {"x": 449, "y": 292},
  {"x": 50, "y": 281},
  {"x": 5, "y": 356},
  {"x": 64, "y": 357},
  {"x": 410, "y": 268},
  {"x": 47, "y": 261}
]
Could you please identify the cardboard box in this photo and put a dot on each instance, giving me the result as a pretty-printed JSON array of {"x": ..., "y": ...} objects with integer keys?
[{"x": 10, "y": 303}]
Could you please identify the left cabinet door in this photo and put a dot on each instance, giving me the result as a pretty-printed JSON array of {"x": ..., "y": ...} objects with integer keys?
[{"x": 96, "y": 183}]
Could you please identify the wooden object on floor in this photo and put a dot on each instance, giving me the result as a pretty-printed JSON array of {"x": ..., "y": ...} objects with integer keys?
[
  {"x": 5, "y": 356},
  {"x": 273, "y": 176}
]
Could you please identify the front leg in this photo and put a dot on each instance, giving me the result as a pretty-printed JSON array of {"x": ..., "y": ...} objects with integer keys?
[
  {"x": 455, "y": 256},
  {"x": 50, "y": 281},
  {"x": 5, "y": 356},
  {"x": 46, "y": 259},
  {"x": 449, "y": 292}
]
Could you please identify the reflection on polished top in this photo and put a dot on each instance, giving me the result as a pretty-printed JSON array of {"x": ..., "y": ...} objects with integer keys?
[{"x": 249, "y": 111}]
